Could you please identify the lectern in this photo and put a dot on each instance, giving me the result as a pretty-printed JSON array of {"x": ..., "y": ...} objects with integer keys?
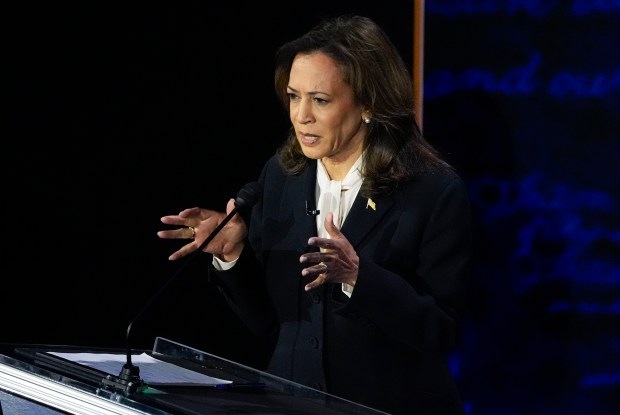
[{"x": 40, "y": 379}]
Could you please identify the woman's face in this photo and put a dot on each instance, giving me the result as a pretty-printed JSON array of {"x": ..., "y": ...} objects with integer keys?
[{"x": 327, "y": 120}]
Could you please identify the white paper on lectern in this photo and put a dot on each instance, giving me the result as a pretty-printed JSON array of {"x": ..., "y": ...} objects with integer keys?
[{"x": 152, "y": 371}]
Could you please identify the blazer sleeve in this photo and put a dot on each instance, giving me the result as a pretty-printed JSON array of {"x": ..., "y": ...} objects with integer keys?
[{"x": 243, "y": 286}]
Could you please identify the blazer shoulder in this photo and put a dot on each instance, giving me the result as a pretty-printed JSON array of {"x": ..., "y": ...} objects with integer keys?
[
  {"x": 273, "y": 170},
  {"x": 436, "y": 181}
]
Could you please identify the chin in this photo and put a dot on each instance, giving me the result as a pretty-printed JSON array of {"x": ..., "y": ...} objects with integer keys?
[{"x": 311, "y": 153}]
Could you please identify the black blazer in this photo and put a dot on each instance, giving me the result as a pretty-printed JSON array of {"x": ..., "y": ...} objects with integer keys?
[{"x": 386, "y": 346}]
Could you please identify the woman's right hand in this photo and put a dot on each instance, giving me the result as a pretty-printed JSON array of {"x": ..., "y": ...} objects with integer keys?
[{"x": 196, "y": 224}]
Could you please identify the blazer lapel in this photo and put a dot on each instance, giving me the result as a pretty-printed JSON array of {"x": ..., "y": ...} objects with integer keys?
[
  {"x": 299, "y": 189},
  {"x": 364, "y": 215}
]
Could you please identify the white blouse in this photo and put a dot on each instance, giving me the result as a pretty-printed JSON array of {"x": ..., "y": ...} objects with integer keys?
[
  {"x": 336, "y": 197},
  {"x": 332, "y": 196}
]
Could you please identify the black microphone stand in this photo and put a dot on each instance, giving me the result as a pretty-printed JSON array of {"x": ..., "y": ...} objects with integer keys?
[{"x": 129, "y": 380}]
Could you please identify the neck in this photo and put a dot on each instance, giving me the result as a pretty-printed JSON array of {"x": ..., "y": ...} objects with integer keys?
[{"x": 338, "y": 168}]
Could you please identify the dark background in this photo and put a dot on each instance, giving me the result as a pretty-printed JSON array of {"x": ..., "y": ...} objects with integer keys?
[{"x": 119, "y": 114}]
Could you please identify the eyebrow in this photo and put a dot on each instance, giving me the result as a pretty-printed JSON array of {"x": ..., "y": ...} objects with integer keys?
[{"x": 309, "y": 93}]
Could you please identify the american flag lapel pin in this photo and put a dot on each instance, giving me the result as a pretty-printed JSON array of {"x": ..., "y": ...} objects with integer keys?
[{"x": 371, "y": 204}]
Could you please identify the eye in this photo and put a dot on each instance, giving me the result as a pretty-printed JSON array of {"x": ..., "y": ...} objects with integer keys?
[
  {"x": 320, "y": 101},
  {"x": 292, "y": 96}
]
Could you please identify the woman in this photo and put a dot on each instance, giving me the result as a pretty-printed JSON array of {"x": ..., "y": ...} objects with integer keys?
[{"x": 351, "y": 264}]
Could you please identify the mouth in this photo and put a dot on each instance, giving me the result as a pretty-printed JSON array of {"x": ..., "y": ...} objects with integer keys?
[{"x": 307, "y": 139}]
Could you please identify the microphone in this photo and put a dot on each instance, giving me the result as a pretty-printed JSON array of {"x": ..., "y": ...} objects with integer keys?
[
  {"x": 311, "y": 210},
  {"x": 129, "y": 380}
]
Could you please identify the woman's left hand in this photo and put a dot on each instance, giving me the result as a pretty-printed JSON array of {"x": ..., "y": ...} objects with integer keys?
[{"x": 336, "y": 263}]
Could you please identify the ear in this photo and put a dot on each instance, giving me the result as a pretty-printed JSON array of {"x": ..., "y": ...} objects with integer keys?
[{"x": 366, "y": 116}]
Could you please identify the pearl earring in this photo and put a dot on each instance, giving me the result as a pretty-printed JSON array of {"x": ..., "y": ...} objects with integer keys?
[{"x": 366, "y": 120}]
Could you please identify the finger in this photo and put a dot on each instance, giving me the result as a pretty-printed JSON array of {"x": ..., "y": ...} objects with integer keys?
[
  {"x": 186, "y": 213},
  {"x": 320, "y": 280},
  {"x": 324, "y": 243},
  {"x": 170, "y": 234},
  {"x": 316, "y": 269},
  {"x": 181, "y": 233},
  {"x": 173, "y": 220},
  {"x": 319, "y": 269},
  {"x": 186, "y": 250},
  {"x": 312, "y": 257}
]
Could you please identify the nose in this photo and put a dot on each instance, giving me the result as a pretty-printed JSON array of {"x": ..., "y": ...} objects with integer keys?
[{"x": 304, "y": 112}]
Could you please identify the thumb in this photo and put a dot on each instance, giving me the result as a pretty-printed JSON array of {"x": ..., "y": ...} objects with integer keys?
[
  {"x": 330, "y": 227},
  {"x": 230, "y": 206}
]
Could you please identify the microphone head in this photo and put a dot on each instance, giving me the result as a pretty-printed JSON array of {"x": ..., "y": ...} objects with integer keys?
[{"x": 249, "y": 195}]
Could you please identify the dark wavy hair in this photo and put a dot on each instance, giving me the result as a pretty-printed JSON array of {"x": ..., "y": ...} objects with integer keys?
[{"x": 395, "y": 150}]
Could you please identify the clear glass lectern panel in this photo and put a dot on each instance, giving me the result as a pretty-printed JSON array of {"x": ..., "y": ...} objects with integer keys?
[
  {"x": 39, "y": 375},
  {"x": 248, "y": 381}
]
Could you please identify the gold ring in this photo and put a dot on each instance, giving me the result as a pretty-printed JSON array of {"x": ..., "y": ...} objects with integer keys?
[
  {"x": 191, "y": 228},
  {"x": 324, "y": 267}
]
